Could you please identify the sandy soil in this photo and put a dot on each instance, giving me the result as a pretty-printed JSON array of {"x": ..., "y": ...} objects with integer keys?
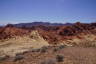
[{"x": 71, "y": 55}]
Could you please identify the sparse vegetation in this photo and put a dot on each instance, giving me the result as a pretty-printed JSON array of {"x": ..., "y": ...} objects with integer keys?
[
  {"x": 18, "y": 57},
  {"x": 60, "y": 58},
  {"x": 49, "y": 61},
  {"x": 36, "y": 50},
  {"x": 43, "y": 49},
  {"x": 55, "y": 49},
  {"x": 88, "y": 43},
  {"x": 58, "y": 48},
  {"x": 2, "y": 58},
  {"x": 62, "y": 46}
]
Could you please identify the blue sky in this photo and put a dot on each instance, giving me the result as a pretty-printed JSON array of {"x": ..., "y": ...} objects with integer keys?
[{"x": 60, "y": 11}]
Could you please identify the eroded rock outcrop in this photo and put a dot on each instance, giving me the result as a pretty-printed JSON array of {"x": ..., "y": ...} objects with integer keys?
[{"x": 11, "y": 31}]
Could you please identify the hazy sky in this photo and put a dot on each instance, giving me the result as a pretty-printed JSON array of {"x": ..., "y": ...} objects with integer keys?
[{"x": 19, "y": 11}]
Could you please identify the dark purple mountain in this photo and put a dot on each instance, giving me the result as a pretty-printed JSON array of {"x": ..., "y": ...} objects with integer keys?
[{"x": 40, "y": 23}]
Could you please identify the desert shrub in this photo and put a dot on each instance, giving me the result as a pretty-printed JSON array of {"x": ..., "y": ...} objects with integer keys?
[
  {"x": 59, "y": 58},
  {"x": 58, "y": 48},
  {"x": 2, "y": 58},
  {"x": 17, "y": 54},
  {"x": 61, "y": 46},
  {"x": 35, "y": 50},
  {"x": 55, "y": 49},
  {"x": 25, "y": 52},
  {"x": 43, "y": 49},
  {"x": 87, "y": 43},
  {"x": 49, "y": 61},
  {"x": 18, "y": 57}
]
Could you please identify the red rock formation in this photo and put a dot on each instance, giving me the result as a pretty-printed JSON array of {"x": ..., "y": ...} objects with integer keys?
[
  {"x": 67, "y": 32},
  {"x": 51, "y": 33},
  {"x": 10, "y": 31}
]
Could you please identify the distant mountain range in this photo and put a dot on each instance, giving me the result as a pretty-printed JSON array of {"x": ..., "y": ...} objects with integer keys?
[{"x": 40, "y": 23}]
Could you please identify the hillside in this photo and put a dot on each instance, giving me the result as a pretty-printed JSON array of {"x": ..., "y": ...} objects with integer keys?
[
  {"x": 54, "y": 34},
  {"x": 74, "y": 44},
  {"x": 20, "y": 44}
]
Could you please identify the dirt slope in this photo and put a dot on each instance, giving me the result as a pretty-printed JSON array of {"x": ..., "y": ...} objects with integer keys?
[
  {"x": 72, "y": 34},
  {"x": 20, "y": 44}
]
